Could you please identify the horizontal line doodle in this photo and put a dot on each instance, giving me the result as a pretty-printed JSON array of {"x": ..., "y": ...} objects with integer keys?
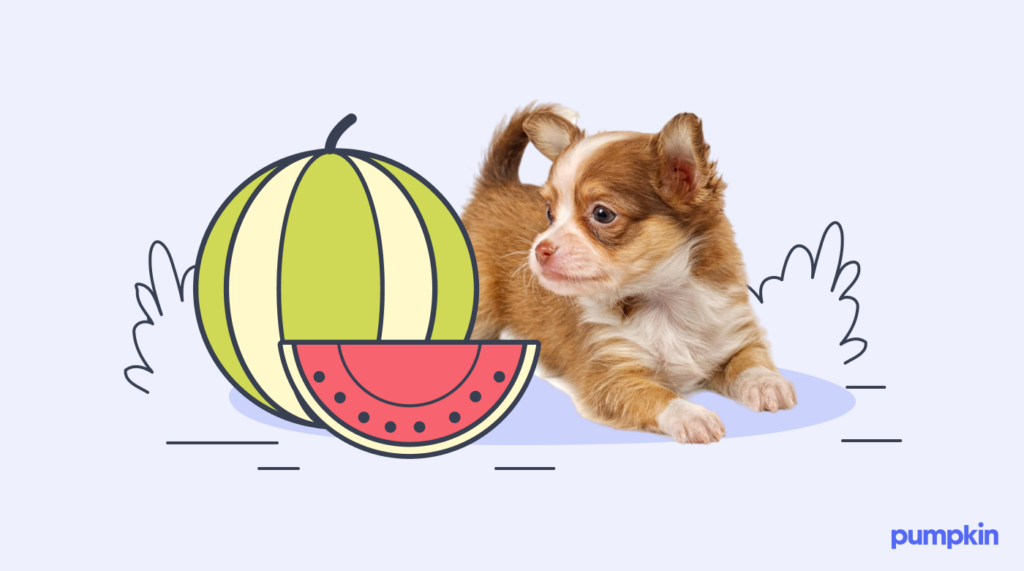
[
  {"x": 221, "y": 442},
  {"x": 872, "y": 440}
]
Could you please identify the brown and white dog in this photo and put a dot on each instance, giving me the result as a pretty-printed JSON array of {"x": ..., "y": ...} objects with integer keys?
[{"x": 625, "y": 267}]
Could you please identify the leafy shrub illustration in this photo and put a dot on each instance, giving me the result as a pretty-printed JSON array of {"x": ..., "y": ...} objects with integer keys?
[
  {"x": 160, "y": 300},
  {"x": 806, "y": 306}
]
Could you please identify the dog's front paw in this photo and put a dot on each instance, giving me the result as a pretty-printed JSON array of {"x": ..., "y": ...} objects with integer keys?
[
  {"x": 686, "y": 422},
  {"x": 761, "y": 389}
]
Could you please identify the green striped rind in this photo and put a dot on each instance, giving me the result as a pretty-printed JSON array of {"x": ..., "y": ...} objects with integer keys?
[
  {"x": 455, "y": 279},
  {"x": 330, "y": 265},
  {"x": 343, "y": 227},
  {"x": 210, "y": 289}
]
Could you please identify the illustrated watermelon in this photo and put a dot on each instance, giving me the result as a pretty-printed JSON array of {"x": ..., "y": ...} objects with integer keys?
[
  {"x": 410, "y": 400},
  {"x": 347, "y": 248}
]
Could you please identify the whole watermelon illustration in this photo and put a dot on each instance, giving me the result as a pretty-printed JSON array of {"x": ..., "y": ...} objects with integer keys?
[{"x": 338, "y": 288}]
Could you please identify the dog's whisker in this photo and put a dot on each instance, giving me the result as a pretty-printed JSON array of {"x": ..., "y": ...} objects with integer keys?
[
  {"x": 514, "y": 253},
  {"x": 524, "y": 265}
]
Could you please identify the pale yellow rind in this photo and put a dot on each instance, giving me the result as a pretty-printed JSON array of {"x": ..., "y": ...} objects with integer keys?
[
  {"x": 408, "y": 277},
  {"x": 252, "y": 288},
  {"x": 288, "y": 351}
]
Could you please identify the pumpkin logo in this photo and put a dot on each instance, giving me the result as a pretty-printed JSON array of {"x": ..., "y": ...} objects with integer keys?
[{"x": 338, "y": 288}]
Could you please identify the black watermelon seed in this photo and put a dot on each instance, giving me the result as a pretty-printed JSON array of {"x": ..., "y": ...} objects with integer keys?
[
  {"x": 364, "y": 417},
  {"x": 390, "y": 426},
  {"x": 499, "y": 376},
  {"x": 454, "y": 417},
  {"x": 474, "y": 396},
  {"x": 419, "y": 427},
  {"x": 319, "y": 376},
  {"x": 339, "y": 397}
]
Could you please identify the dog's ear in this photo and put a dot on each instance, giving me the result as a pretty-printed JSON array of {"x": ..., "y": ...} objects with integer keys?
[
  {"x": 687, "y": 177},
  {"x": 551, "y": 129}
]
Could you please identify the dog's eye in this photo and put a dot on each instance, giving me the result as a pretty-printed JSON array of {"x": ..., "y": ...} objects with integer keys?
[
  {"x": 551, "y": 219},
  {"x": 602, "y": 215}
]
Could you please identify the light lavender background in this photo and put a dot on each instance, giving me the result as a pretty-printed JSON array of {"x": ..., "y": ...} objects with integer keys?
[{"x": 125, "y": 123}]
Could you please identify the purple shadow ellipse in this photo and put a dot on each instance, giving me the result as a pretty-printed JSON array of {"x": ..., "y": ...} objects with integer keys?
[{"x": 546, "y": 415}]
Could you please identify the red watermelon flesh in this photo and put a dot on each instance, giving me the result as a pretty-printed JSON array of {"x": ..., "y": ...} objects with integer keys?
[
  {"x": 410, "y": 393},
  {"x": 409, "y": 374}
]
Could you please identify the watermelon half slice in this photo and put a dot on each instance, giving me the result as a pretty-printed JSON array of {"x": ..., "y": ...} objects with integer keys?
[{"x": 410, "y": 399}]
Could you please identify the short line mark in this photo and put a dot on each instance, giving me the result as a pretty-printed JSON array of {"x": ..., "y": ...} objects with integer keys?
[
  {"x": 219, "y": 442},
  {"x": 872, "y": 440}
]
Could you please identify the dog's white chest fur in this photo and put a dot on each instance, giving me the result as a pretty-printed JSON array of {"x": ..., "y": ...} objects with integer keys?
[{"x": 684, "y": 330}]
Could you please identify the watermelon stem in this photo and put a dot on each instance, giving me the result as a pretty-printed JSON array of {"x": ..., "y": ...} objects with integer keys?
[{"x": 339, "y": 130}]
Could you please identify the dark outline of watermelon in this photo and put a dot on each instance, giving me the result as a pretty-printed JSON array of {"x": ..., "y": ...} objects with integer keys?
[
  {"x": 513, "y": 382},
  {"x": 329, "y": 148}
]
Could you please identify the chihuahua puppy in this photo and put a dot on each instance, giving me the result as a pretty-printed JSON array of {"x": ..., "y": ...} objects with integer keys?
[{"x": 625, "y": 268}]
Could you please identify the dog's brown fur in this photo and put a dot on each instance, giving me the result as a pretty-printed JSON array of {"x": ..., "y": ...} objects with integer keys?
[{"x": 666, "y": 194}]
